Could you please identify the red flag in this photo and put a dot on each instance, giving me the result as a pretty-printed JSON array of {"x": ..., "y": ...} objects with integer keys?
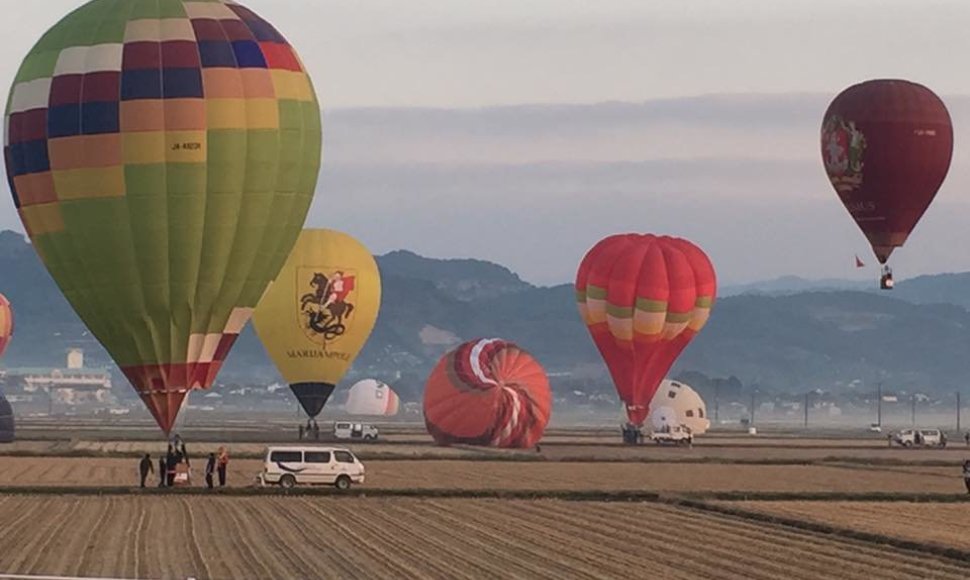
[{"x": 859, "y": 263}]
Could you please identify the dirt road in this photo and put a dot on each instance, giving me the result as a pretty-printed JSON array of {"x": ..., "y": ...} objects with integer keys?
[{"x": 478, "y": 475}]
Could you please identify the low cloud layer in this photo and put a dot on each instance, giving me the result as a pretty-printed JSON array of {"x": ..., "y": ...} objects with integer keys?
[{"x": 533, "y": 187}]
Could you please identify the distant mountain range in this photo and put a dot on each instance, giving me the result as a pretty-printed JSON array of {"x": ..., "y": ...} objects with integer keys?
[
  {"x": 786, "y": 335},
  {"x": 794, "y": 285}
]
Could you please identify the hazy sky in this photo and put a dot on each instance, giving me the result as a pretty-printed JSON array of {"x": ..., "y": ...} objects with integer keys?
[
  {"x": 474, "y": 53},
  {"x": 448, "y": 53}
]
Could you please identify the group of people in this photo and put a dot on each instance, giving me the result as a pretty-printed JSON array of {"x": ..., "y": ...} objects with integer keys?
[
  {"x": 174, "y": 468},
  {"x": 310, "y": 430},
  {"x": 632, "y": 435}
]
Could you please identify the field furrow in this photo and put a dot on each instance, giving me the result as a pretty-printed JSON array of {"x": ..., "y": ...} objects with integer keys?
[
  {"x": 941, "y": 524},
  {"x": 821, "y": 553},
  {"x": 283, "y": 537}
]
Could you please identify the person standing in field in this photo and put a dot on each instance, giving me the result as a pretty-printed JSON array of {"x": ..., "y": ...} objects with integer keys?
[
  {"x": 161, "y": 471},
  {"x": 171, "y": 460},
  {"x": 223, "y": 465},
  {"x": 210, "y": 469},
  {"x": 145, "y": 467},
  {"x": 966, "y": 437},
  {"x": 966, "y": 474}
]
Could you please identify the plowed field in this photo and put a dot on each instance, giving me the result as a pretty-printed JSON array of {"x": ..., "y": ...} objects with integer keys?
[
  {"x": 401, "y": 538},
  {"x": 477, "y": 475},
  {"x": 942, "y": 524}
]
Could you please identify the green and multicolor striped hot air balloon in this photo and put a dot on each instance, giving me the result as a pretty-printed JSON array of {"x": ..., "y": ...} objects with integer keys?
[{"x": 163, "y": 155}]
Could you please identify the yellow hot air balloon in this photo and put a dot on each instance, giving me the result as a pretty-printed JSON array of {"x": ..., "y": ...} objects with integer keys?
[{"x": 318, "y": 313}]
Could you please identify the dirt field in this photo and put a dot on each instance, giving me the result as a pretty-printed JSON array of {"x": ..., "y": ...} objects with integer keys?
[
  {"x": 942, "y": 524},
  {"x": 371, "y": 538},
  {"x": 478, "y": 475},
  {"x": 273, "y": 536}
]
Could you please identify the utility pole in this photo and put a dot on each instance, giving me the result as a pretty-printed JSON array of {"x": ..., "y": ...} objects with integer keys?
[
  {"x": 716, "y": 403},
  {"x": 806, "y": 410},
  {"x": 958, "y": 412},
  {"x": 752, "y": 407},
  {"x": 879, "y": 404}
]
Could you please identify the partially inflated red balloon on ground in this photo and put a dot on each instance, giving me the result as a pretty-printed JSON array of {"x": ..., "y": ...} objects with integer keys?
[
  {"x": 487, "y": 392},
  {"x": 886, "y": 147},
  {"x": 643, "y": 299}
]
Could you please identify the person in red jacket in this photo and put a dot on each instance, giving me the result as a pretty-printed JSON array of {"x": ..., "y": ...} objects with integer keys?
[{"x": 222, "y": 465}]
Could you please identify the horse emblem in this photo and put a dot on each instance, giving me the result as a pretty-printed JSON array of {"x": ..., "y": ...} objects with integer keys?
[
  {"x": 843, "y": 149},
  {"x": 325, "y": 310}
]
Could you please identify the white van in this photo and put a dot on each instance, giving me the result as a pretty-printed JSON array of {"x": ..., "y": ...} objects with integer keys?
[
  {"x": 291, "y": 466},
  {"x": 920, "y": 438},
  {"x": 363, "y": 431}
]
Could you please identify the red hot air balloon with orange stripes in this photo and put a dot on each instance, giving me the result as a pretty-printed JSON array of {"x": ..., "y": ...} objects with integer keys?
[
  {"x": 488, "y": 392},
  {"x": 643, "y": 298},
  {"x": 6, "y": 324}
]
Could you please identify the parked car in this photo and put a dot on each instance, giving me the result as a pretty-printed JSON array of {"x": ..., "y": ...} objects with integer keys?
[
  {"x": 355, "y": 431},
  {"x": 676, "y": 435},
  {"x": 919, "y": 438},
  {"x": 292, "y": 466}
]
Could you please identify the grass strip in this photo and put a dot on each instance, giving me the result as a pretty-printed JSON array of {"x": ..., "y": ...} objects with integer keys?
[
  {"x": 443, "y": 493},
  {"x": 327, "y": 491},
  {"x": 824, "y": 496},
  {"x": 473, "y": 455}
]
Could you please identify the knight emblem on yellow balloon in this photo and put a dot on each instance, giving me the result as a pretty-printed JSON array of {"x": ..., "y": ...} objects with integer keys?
[
  {"x": 319, "y": 312},
  {"x": 326, "y": 308}
]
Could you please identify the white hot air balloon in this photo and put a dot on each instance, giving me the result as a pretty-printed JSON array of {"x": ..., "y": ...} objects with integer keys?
[
  {"x": 677, "y": 404},
  {"x": 370, "y": 397}
]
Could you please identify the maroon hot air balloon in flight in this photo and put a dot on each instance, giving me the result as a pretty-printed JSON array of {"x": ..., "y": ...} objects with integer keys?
[{"x": 886, "y": 146}]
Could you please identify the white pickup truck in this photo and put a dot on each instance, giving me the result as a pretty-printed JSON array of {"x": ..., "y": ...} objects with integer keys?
[{"x": 676, "y": 435}]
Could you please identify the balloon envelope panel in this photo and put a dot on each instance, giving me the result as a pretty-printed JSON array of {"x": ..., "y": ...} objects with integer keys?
[
  {"x": 677, "y": 403},
  {"x": 643, "y": 298},
  {"x": 163, "y": 155},
  {"x": 370, "y": 397},
  {"x": 319, "y": 312},
  {"x": 488, "y": 392},
  {"x": 886, "y": 147},
  {"x": 6, "y": 324}
]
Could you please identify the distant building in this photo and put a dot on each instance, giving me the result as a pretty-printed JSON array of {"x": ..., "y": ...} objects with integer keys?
[{"x": 74, "y": 385}]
